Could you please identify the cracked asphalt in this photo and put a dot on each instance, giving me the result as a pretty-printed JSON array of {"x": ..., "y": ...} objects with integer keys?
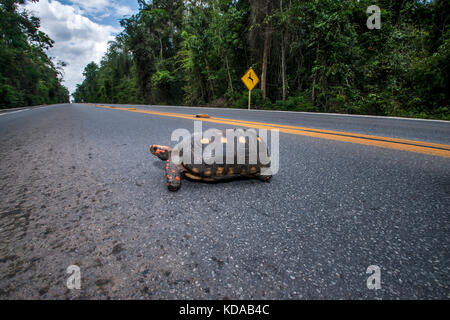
[{"x": 80, "y": 187}]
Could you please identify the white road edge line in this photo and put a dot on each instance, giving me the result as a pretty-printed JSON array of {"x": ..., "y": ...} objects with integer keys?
[
  {"x": 35, "y": 108},
  {"x": 2, "y": 114}
]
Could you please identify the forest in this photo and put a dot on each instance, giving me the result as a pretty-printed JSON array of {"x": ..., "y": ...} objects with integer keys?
[
  {"x": 27, "y": 75},
  {"x": 310, "y": 55}
]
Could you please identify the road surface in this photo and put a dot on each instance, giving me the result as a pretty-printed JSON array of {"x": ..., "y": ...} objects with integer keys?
[{"x": 80, "y": 187}]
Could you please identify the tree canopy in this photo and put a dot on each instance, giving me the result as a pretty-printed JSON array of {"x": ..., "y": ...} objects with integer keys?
[
  {"x": 311, "y": 55},
  {"x": 27, "y": 75}
]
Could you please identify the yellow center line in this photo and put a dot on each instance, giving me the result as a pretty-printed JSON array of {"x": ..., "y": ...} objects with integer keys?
[{"x": 364, "y": 139}]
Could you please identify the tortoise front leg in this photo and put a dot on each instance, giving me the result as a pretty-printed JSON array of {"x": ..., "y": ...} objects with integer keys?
[{"x": 173, "y": 176}]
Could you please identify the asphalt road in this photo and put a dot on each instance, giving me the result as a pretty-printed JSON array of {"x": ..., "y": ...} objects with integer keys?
[{"x": 79, "y": 187}]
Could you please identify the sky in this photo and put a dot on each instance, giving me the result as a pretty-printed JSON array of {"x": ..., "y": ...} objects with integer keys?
[{"x": 81, "y": 30}]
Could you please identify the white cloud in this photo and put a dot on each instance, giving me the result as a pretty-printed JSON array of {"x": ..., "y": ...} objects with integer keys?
[
  {"x": 122, "y": 10},
  {"x": 103, "y": 7},
  {"x": 78, "y": 40},
  {"x": 92, "y": 5}
]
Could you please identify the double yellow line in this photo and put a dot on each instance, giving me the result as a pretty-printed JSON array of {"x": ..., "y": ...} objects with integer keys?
[{"x": 429, "y": 148}]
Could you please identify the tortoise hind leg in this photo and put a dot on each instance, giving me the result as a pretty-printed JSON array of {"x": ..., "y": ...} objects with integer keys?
[
  {"x": 264, "y": 178},
  {"x": 265, "y": 175},
  {"x": 173, "y": 176}
]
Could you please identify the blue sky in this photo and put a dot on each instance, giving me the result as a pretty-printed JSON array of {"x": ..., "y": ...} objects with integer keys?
[
  {"x": 104, "y": 11},
  {"x": 81, "y": 30}
]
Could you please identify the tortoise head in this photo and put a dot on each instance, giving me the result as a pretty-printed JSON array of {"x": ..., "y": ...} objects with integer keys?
[{"x": 161, "y": 152}]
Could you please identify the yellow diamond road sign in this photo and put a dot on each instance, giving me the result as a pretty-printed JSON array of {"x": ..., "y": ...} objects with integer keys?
[{"x": 250, "y": 79}]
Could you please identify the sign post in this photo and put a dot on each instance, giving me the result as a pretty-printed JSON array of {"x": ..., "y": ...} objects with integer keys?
[{"x": 250, "y": 79}]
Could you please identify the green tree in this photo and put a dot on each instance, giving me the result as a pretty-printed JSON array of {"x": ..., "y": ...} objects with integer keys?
[{"x": 27, "y": 75}]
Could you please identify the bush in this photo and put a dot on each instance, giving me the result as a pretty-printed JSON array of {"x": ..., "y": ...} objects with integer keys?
[
  {"x": 373, "y": 104},
  {"x": 294, "y": 104},
  {"x": 257, "y": 100}
]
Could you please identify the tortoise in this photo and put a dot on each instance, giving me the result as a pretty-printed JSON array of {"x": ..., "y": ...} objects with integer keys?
[{"x": 247, "y": 158}]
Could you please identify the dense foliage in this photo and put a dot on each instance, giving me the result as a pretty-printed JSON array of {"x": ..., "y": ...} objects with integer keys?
[
  {"x": 27, "y": 75},
  {"x": 311, "y": 55}
]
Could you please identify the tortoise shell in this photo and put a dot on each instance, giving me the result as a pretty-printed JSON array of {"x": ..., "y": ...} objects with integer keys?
[{"x": 233, "y": 156}]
